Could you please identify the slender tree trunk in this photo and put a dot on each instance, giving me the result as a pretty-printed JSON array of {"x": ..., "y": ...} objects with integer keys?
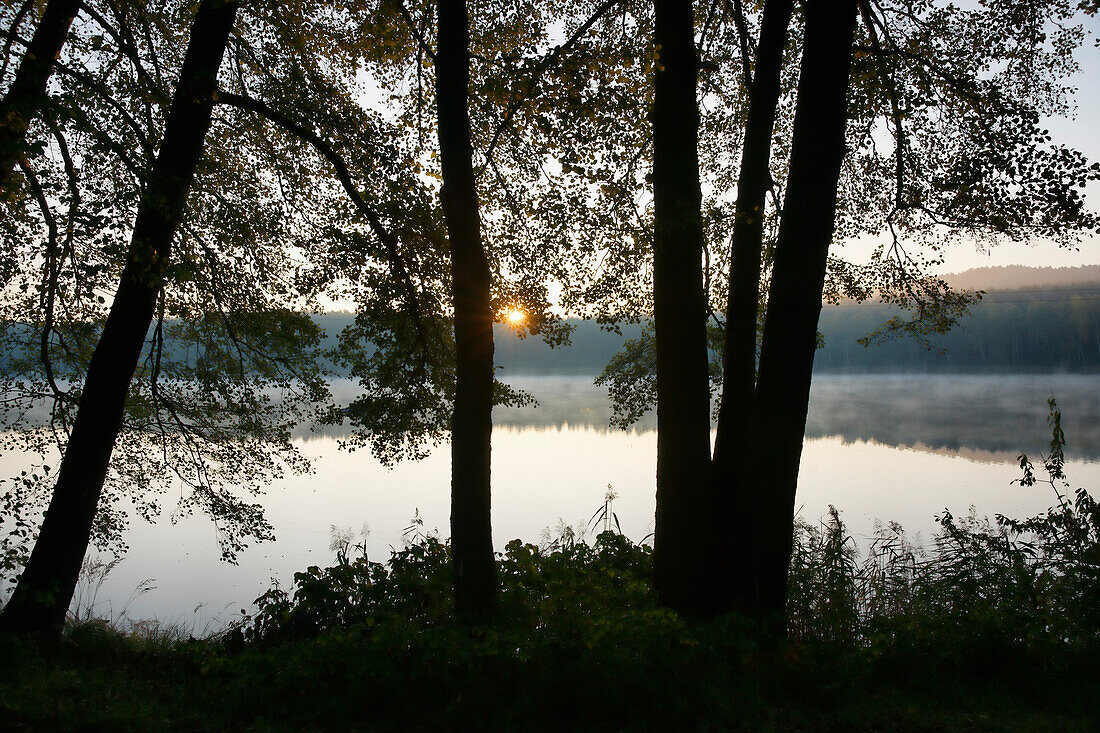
[
  {"x": 739, "y": 354},
  {"x": 46, "y": 586},
  {"x": 778, "y": 418},
  {"x": 28, "y": 90},
  {"x": 684, "y": 489},
  {"x": 475, "y": 579}
]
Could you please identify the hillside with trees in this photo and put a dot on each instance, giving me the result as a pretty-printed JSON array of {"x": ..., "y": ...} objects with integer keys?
[
  {"x": 1038, "y": 329},
  {"x": 1032, "y": 330},
  {"x": 1022, "y": 277}
]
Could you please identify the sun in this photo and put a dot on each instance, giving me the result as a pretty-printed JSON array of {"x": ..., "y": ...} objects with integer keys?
[{"x": 515, "y": 316}]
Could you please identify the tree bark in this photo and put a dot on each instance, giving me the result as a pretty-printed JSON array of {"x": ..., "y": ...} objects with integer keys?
[
  {"x": 684, "y": 489},
  {"x": 28, "y": 89},
  {"x": 475, "y": 578},
  {"x": 739, "y": 353},
  {"x": 778, "y": 416},
  {"x": 46, "y": 586}
]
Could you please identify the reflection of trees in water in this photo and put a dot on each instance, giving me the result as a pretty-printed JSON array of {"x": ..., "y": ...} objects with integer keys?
[
  {"x": 998, "y": 416},
  {"x": 979, "y": 417},
  {"x": 563, "y": 400}
]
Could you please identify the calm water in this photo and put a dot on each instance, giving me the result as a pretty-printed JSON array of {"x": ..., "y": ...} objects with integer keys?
[{"x": 878, "y": 447}]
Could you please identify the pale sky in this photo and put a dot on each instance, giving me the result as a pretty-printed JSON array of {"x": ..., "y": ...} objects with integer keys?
[{"x": 1082, "y": 133}]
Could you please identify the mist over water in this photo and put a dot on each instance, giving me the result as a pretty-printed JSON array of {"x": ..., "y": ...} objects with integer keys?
[
  {"x": 879, "y": 447},
  {"x": 995, "y": 417},
  {"x": 992, "y": 417}
]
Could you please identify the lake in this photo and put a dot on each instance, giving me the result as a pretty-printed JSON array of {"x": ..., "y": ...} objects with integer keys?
[{"x": 879, "y": 447}]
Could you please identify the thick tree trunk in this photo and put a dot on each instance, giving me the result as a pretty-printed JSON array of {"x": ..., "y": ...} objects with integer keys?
[
  {"x": 739, "y": 354},
  {"x": 778, "y": 417},
  {"x": 684, "y": 489},
  {"x": 46, "y": 586},
  {"x": 475, "y": 579},
  {"x": 28, "y": 89}
]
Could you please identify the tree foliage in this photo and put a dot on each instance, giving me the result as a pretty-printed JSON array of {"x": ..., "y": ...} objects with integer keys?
[{"x": 319, "y": 185}]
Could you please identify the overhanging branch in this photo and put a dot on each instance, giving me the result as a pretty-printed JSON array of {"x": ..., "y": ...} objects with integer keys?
[
  {"x": 389, "y": 242},
  {"x": 532, "y": 80}
]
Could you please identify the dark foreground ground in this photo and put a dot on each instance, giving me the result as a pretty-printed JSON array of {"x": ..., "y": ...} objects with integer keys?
[
  {"x": 578, "y": 644},
  {"x": 340, "y": 682}
]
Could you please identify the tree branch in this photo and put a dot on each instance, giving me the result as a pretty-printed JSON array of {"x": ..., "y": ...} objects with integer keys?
[
  {"x": 397, "y": 266},
  {"x": 547, "y": 62}
]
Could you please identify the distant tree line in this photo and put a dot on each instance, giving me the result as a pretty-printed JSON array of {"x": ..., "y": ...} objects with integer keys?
[
  {"x": 590, "y": 347},
  {"x": 1009, "y": 330},
  {"x": 1042, "y": 329}
]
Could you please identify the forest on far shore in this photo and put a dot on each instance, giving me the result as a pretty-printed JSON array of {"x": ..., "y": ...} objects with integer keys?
[
  {"x": 1043, "y": 329},
  {"x": 1038, "y": 329},
  {"x": 1055, "y": 328}
]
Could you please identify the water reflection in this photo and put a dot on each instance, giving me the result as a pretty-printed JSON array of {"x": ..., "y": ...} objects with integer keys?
[
  {"x": 987, "y": 418},
  {"x": 880, "y": 447}
]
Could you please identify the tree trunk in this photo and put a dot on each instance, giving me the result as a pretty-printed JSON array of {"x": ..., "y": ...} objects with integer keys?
[
  {"x": 475, "y": 580},
  {"x": 46, "y": 586},
  {"x": 28, "y": 90},
  {"x": 778, "y": 417},
  {"x": 684, "y": 489},
  {"x": 739, "y": 353}
]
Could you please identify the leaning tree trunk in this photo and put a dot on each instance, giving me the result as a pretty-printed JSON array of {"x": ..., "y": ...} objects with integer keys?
[
  {"x": 46, "y": 586},
  {"x": 778, "y": 418},
  {"x": 28, "y": 90},
  {"x": 679, "y": 309},
  {"x": 475, "y": 579},
  {"x": 739, "y": 352}
]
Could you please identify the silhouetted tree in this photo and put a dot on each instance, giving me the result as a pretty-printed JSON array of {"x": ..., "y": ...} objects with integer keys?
[
  {"x": 679, "y": 312},
  {"x": 46, "y": 586},
  {"x": 28, "y": 90},
  {"x": 475, "y": 581},
  {"x": 777, "y": 419},
  {"x": 743, "y": 302},
  {"x": 917, "y": 81},
  {"x": 774, "y": 418}
]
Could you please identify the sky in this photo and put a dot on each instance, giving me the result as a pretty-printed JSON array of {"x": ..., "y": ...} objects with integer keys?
[{"x": 1081, "y": 132}]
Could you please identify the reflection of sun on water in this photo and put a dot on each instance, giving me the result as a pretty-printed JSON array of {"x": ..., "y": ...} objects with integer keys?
[{"x": 515, "y": 316}]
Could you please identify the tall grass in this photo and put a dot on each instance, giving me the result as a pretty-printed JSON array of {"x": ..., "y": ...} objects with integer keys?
[{"x": 1019, "y": 582}]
